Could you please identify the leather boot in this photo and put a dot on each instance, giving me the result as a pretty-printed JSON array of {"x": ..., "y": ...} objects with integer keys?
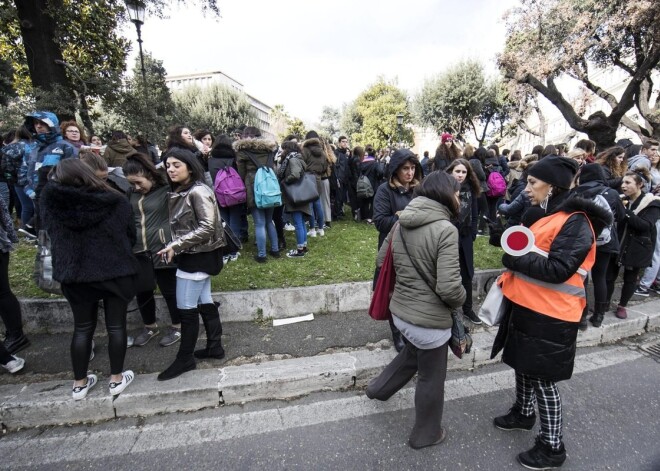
[
  {"x": 397, "y": 338},
  {"x": 599, "y": 312},
  {"x": 185, "y": 361},
  {"x": 213, "y": 326}
]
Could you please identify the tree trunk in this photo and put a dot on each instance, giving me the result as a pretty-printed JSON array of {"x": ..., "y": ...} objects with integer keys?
[{"x": 41, "y": 49}]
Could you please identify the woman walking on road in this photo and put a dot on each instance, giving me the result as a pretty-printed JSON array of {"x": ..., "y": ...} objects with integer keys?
[
  {"x": 92, "y": 233},
  {"x": 197, "y": 241},
  {"x": 428, "y": 286},
  {"x": 547, "y": 295}
]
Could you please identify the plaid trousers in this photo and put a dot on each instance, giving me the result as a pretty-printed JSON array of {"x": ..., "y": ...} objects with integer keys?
[{"x": 531, "y": 390}]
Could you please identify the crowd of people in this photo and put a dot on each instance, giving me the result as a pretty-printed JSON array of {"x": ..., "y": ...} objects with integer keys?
[{"x": 118, "y": 211}]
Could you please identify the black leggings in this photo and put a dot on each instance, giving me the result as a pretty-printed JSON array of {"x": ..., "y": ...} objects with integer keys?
[
  {"x": 466, "y": 281},
  {"x": 85, "y": 315},
  {"x": 10, "y": 309},
  {"x": 629, "y": 281},
  {"x": 166, "y": 279},
  {"x": 599, "y": 276},
  {"x": 366, "y": 208}
]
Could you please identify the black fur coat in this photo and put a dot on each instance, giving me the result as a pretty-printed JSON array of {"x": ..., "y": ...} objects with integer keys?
[{"x": 92, "y": 233}]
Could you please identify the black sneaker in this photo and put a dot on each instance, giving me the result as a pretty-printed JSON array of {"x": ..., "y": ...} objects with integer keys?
[
  {"x": 541, "y": 456},
  {"x": 29, "y": 232},
  {"x": 640, "y": 291},
  {"x": 274, "y": 253},
  {"x": 16, "y": 344},
  {"x": 514, "y": 420},
  {"x": 259, "y": 259},
  {"x": 473, "y": 317},
  {"x": 655, "y": 287},
  {"x": 295, "y": 253}
]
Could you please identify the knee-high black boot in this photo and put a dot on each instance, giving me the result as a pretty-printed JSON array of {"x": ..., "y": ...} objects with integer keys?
[
  {"x": 185, "y": 361},
  {"x": 213, "y": 326},
  {"x": 397, "y": 338}
]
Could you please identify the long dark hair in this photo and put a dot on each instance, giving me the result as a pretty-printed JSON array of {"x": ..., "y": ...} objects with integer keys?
[
  {"x": 76, "y": 173},
  {"x": 141, "y": 165},
  {"x": 481, "y": 153},
  {"x": 471, "y": 178},
  {"x": 607, "y": 158},
  {"x": 442, "y": 188},
  {"x": 190, "y": 160},
  {"x": 174, "y": 139}
]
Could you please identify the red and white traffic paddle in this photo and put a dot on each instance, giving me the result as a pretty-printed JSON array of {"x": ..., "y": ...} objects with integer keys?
[{"x": 518, "y": 241}]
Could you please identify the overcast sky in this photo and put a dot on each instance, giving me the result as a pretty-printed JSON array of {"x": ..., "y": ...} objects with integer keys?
[{"x": 306, "y": 54}]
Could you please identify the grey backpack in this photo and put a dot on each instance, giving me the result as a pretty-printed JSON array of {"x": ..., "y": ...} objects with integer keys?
[
  {"x": 606, "y": 234},
  {"x": 364, "y": 188}
]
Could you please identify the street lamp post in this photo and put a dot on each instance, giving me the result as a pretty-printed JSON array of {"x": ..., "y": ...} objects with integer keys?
[
  {"x": 136, "y": 14},
  {"x": 399, "y": 125}
]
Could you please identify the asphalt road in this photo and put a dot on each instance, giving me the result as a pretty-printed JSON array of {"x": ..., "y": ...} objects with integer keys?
[{"x": 611, "y": 421}]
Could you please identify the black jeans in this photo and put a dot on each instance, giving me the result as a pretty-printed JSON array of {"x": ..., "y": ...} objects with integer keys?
[
  {"x": 629, "y": 281},
  {"x": 466, "y": 281},
  {"x": 10, "y": 309},
  {"x": 599, "y": 276},
  {"x": 85, "y": 316},
  {"x": 166, "y": 280},
  {"x": 366, "y": 208}
]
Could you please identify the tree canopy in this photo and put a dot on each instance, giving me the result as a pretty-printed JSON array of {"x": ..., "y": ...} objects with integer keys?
[
  {"x": 371, "y": 118},
  {"x": 556, "y": 38}
]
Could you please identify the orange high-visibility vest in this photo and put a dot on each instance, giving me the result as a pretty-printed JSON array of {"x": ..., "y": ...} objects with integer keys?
[{"x": 564, "y": 301}]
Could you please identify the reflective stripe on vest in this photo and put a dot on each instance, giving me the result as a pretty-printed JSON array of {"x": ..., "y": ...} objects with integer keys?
[{"x": 564, "y": 301}]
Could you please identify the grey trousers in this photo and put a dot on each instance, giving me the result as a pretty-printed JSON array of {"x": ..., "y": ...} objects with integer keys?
[{"x": 431, "y": 369}]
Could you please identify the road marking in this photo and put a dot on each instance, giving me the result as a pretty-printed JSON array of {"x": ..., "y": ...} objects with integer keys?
[{"x": 93, "y": 445}]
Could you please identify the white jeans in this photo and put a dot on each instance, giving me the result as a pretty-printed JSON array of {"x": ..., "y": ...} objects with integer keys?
[{"x": 652, "y": 273}]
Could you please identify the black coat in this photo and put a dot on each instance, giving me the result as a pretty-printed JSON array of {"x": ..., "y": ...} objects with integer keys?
[
  {"x": 467, "y": 226},
  {"x": 374, "y": 172},
  {"x": 92, "y": 233},
  {"x": 536, "y": 344},
  {"x": 589, "y": 190},
  {"x": 638, "y": 233}
]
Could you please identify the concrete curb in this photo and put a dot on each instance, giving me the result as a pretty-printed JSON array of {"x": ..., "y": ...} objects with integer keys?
[
  {"x": 50, "y": 403},
  {"x": 54, "y": 315}
]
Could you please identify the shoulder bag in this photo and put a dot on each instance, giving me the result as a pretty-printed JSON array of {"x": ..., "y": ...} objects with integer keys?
[{"x": 379, "y": 308}]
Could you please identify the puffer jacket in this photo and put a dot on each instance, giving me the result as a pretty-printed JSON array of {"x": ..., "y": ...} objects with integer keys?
[
  {"x": 195, "y": 220},
  {"x": 51, "y": 149},
  {"x": 313, "y": 153},
  {"x": 392, "y": 197},
  {"x": 638, "y": 232},
  {"x": 589, "y": 190},
  {"x": 263, "y": 152},
  {"x": 534, "y": 343},
  {"x": 92, "y": 233},
  {"x": 432, "y": 240},
  {"x": 152, "y": 222},
  {"x": 293, "y": 170}
]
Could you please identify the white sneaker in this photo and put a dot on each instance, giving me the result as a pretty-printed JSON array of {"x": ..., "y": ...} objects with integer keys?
[
  {"x": 80, "y": 392},
  {"x": 233, "y": 258},
  {"x": 225, "y": 259},
  {"x": 129, "y": 341},
  {"x": 312, "y": 233},
  {"x": 289, "y": 227},
  {"x": 14, "y": 365},
  {"x": 320, "y": 232},
  {"x": 127, "y": 378}
]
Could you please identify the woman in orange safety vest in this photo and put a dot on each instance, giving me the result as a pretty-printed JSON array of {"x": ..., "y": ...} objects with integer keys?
[{"x": 546, "y": 290}]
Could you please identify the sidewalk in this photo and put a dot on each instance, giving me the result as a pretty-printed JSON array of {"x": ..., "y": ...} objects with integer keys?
[{"x": 335, "y": 351}]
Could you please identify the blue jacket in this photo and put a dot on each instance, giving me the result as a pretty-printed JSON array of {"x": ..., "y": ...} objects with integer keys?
[{"x": 52, "y": 148}]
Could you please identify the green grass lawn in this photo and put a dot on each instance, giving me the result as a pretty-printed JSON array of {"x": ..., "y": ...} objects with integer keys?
[{"x": 346, "y": 253}]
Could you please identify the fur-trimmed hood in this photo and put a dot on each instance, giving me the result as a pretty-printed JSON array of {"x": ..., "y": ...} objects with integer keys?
[
  {"x": 255, "y": 145},
  {"x": 313, "y": 146},
  {"x": 598, "y": 216}
]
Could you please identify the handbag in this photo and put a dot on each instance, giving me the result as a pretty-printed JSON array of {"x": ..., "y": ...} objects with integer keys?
[
  {"x": 302, "y": 191},
  {"x": 379, "y": 308},
  {"x": 233, "y": 243},
  {"x": 43, "y": 266},
  {"x": 145, "y": 278},
  {"x": 495, "y": 305},
  {"x": 461, "y": 340}
]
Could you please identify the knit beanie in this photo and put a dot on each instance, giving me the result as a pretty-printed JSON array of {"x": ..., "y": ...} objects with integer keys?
[
  {"x": 446, "y": 137},
  {"x": 592, "y": 173},
  {"x": 557, "y": 171}
]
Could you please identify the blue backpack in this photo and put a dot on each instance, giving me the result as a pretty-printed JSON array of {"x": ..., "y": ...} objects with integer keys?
[{"x": 267, "y": 192}]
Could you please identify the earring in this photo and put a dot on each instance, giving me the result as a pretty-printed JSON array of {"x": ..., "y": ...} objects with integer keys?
[{"x": 546, "y": 200}]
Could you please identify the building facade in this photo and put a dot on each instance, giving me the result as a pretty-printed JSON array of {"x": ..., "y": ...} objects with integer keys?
[{"x": 204, "y": 79}]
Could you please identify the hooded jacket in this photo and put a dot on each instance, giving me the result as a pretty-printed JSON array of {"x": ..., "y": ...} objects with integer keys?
[
  {"x": 92, "y": 233},
  {"x": 263, "y": 152},
  {"x": 534, "y": 343},
  {"x": 392, "y": 197},
  {"x": 117, "y": 151},
  {"x": 222, "y": 156},
  {"x": 52, "y": 148},
  {"x": 313, "y": 153},
  {"x": 432, "y": 240}
]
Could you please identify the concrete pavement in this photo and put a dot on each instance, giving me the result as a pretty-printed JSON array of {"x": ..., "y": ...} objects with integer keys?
[{"x": 336, "y": 351}]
